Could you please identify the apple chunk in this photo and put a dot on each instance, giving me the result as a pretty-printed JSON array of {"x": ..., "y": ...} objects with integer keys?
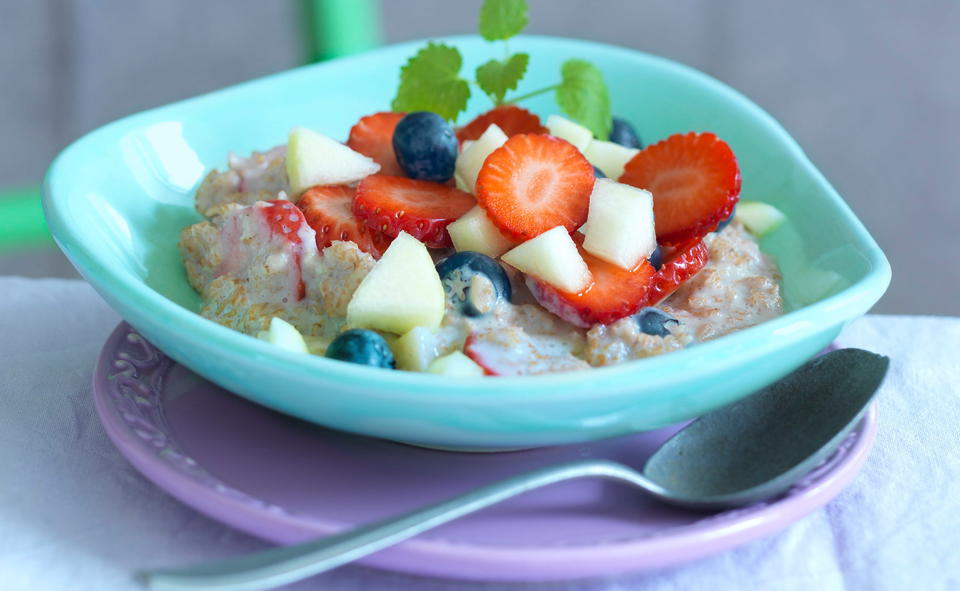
[
  {"x": 401, "y": 292},
  {"x": 456, "y": 365},
  {"x": 284, "y": 335},
  {"x": 315, "y": 159},
  {"x": 552, "y": 257},
  {"x": 609, "y": 157},
  {"x": 619, "y": 226},
  {"x": 415, "y": 350},
  {"x": 471, "y": 160},
  {"x": 565, "y": 129},
  {"x": 474, "y": 231},
  {"x": 758, "y": 217}
]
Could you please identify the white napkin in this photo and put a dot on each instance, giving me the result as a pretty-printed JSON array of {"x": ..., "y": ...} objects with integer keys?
[{"x": 74, "y": 515}]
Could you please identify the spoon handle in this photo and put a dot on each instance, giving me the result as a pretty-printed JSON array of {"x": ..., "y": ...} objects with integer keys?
[{"x": 286, "y": 564}]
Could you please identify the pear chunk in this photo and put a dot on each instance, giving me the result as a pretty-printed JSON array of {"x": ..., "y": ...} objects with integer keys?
[
  {"x": 284, "y": 335},
  {"x": 574, "y": 133},
  {"x": 415, "y": 350},
  {"x": 474, "y": 231},
  {"x": 552, "y": 257},
  {"x": 315, "y": 159},
  {"x": 471, "y": 159},
  {"x": 758, "y": 217},
  {"x": 619, "y": 226},
  {"x": 609, "y": 157},
  {"x": 456, "y": 365},
  {"x": 401, "y": 292}
]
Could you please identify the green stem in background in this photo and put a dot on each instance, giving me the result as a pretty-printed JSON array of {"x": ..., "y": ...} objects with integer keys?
[
  {"x": 524, "y": 97},
  {"x": 506, "y": 58},
  {"x": 22, "y": 224},
  {"x": 336, "y": 28}
]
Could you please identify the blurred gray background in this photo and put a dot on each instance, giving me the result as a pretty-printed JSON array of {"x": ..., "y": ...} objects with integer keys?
[{"x": 868, "y": 87}]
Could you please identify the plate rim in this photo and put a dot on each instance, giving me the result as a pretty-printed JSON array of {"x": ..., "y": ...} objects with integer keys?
[{"x": 143, "y": 442}]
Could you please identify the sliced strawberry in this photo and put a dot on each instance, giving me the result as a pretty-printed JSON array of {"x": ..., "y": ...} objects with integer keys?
[
  {"x": 533, "y": 183},
  {"x": 510, "y": 118},
  {"x": 283, "y": 219},
  {"x": 695, "y": 183},
  {"x": 614, "y": 294},
  {"x": 373, "y": 136},
  {"x": 243, "y": 255},
  {"x": 509, "y": 351},
  {"x": 391, "y": 204},
  {"x": 328, "y": 210},
  {"x": 480, "y": 351},
  {"x": 678, "y": 266}
]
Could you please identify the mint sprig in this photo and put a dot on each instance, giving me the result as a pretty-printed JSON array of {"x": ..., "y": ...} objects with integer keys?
[
  {"x": 496, "y": 77},
  {"x": 502, "y": 19},
  {"x": 583, "y": 95},
  {"x": 430, "y": 80}
]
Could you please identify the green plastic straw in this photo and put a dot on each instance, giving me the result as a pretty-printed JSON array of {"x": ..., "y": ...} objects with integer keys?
[
  {"x": 340, "y": 27},
  {"x": 21, "y": 219}
]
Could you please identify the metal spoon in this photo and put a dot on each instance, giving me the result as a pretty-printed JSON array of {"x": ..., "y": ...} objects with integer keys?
[{"x": 753, "y": 450}]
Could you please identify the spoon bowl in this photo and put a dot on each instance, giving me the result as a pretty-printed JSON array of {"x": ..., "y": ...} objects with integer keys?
[
  {"x": 760, "y": 446},
  {"x": 753, "y": 450}
]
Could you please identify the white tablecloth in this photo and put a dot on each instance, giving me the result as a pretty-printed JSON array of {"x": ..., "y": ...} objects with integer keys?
[{"x": 75, "y": 515}]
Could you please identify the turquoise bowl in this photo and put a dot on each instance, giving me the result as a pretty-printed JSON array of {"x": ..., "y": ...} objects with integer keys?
[{"x": 117, "y": 198}]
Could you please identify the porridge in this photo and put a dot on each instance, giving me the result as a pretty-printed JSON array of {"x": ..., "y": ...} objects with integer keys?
[{"x": 484, "y": 253}]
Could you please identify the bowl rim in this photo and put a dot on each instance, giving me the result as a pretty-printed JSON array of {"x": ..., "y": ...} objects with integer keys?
[{"x": 834, "y": 310}]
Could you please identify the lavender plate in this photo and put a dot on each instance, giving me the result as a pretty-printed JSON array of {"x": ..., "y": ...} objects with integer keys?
[{"x": 286, "y": 481}]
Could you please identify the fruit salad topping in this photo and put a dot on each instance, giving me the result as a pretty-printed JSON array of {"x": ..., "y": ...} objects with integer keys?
[
  {"x": 390, "y": 205},
  {"x": 558, "y": 229},
  {"x": 511, "y": 119},
  {"x": 533, "y": 183},
  {"x": 474, "y": 283},
  {"x": 680, "y": 265},
  {"x": 695, "y": 181},
  {"x": 328, "y": 209},
  {"x": 372, "y": 136},
  {"x": 613, "y": 293}
]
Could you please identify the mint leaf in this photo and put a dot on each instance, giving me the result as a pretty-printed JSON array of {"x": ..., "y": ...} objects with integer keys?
[
  {"x": 430, "y": 81},
  {"x": 583, "y": 96},
  {"x": 502, "y": 19},
  {"x": 497, "y": 77}
]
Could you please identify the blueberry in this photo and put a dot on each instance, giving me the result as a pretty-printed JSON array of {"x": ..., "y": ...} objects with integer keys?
[
  {"x": 426, "y": 147},
  {"x": 474, "y": 282},
  {"x": 727, "y": 221},
  {"x": 598, "y": 173},
  {"x": 653, "y": 321},
  {"x": 362, "y": 346},
  {"x": 622, "y": 133},
  {"x": 656, "y": 258}
]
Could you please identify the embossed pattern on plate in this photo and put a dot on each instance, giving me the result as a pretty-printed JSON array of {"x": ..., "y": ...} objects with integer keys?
[{"x": 286, "y": 481}]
